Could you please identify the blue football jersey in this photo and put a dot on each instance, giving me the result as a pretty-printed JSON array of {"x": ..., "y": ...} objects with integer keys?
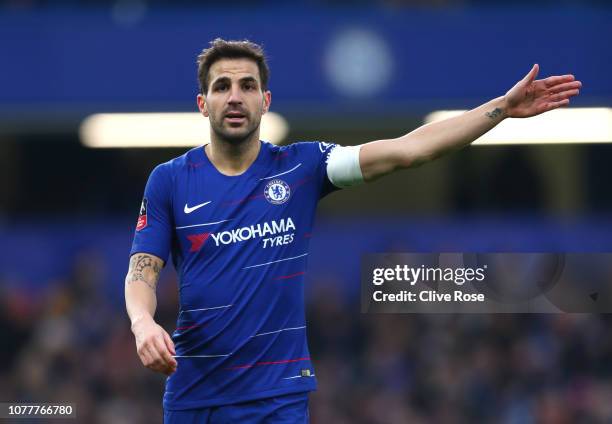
[{"x": 240, "y": 247}]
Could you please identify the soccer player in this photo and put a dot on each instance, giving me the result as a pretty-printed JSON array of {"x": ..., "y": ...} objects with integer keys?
[{"x": 237, "y": 215}]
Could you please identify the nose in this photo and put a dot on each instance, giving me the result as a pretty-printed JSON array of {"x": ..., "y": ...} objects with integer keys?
[{"x": 235, "y": 95}]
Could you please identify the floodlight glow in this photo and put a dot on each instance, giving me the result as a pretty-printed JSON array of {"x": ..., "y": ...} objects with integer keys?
[
  {"x": 123, "y": 130},
  {"x": 570, "y": 125}
]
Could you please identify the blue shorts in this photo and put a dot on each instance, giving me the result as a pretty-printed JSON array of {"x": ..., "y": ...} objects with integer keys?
[{"x": 286, "y": 409}]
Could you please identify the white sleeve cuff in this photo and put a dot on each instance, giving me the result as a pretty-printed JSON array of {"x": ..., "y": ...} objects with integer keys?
[{"x": 343, "y": 168}]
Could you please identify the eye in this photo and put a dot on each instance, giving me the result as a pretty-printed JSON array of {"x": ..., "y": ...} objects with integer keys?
[
  {"x": 220, "y": 87},
  {"x": 249, "y": 86}
]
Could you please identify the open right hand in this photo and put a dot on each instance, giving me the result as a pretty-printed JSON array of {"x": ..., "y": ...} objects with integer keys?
[{"x": 154, "y": 346}]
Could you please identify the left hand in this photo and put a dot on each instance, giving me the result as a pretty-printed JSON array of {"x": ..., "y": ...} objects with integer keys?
[{"x": 530, "y": 97}]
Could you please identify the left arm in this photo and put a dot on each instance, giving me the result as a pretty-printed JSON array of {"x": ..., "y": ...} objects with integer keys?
[{"x": 529, "y": 97}]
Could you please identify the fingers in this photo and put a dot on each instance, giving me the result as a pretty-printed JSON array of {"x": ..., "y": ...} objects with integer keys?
[
  {"x": 145, "y": 356},
  {"x": 555, "y": 105},
  {"x": 169, "y": 343},
  {"x": 155, "y": 355},
  {"x": 168, "y": 361},
  {"x": 151, "y": 359},
  {"x": 564, "y": 95},
  {"x": 532, "y": 74},
  {"x": 557, "y": 79},
  {"x": 162, "y": 361},
  {"x": 565, "y": 87}
]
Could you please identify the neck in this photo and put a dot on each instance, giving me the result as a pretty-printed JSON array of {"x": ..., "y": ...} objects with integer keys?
[{"x": 233, "y": 158}]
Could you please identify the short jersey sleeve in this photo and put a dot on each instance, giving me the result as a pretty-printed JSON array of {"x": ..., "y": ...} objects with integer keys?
[
  {"x": 153, "y": 232},
  {"x": 317, "y": 153}
]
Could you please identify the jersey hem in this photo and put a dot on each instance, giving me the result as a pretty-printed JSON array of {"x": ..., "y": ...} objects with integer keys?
[{"x": 228, "y": 400}]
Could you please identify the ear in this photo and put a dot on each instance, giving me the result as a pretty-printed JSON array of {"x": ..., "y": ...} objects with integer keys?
[
  {"x": 267, "y": 100},
  {"x": 201, "y": 100}
]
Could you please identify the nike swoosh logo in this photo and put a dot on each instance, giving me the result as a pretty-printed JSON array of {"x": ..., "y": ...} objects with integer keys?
[{"x": 193, "y": 208}]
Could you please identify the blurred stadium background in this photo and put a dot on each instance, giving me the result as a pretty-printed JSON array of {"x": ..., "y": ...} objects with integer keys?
[{"x": 342, "y": 71}]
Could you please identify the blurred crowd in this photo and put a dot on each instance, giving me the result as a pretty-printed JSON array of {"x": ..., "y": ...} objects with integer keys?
[{"x": 71, "y": 343}]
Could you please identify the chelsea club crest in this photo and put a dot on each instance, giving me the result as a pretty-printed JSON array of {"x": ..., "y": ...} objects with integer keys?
[{"x": 277, "y": 192}]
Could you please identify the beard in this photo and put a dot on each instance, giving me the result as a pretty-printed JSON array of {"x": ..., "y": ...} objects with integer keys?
[{"x": 234, "y": 134}]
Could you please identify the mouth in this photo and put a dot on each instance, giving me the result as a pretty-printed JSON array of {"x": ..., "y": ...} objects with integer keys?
[{"x": 235, "y": 117}]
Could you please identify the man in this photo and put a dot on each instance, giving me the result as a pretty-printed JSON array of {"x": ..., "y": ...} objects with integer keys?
[{"x": 237, "y": 214}]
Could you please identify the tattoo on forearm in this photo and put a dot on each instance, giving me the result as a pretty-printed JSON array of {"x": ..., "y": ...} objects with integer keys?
[
  {"x": 495, "y": 113},
  {"x": 141, "y": 265}
]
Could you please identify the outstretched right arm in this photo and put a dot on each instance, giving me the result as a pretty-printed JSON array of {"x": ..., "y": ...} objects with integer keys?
[{"x": 153, "y": 344}]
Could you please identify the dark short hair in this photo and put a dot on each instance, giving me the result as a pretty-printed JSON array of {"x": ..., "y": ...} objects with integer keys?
[{"x": 223, "y": 49}]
